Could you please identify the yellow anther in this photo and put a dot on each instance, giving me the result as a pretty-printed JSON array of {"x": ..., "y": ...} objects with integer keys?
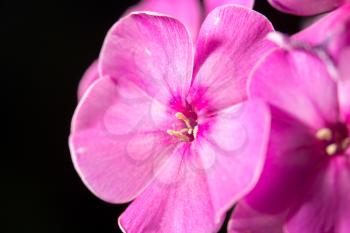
[
  {"x": 195, "y": 131},
  {"x": 178, "y": 134},
  {"x": 324, "y": 134},
  {"x": 332, "y": 149},
  {"x": 185, "y": 133},
  {"x": 345, "y": 143},
  {"x": 182, "y": 117}
]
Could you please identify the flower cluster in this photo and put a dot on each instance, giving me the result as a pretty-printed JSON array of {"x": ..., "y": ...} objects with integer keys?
[{"x": 188, "y": 116}]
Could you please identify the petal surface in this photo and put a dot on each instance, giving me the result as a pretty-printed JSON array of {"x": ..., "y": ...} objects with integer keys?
[
  {"x": 231, "y": 40},
  {"x": 117, "y": 141},
  {"x": 305, "y": 7},
  {"x": 325, "y": 206},
  {"x": 90, "y": 75},
  {"x": 154, "y": 52},
  {"x": 344, "y": 84},
  {"x": 246, "y": 219},
  {"x": 326, "y": 28},
  {"x": 186, "y": 11},
  {"x": 212, "y": 4},
  {"x": 292, "y": 154},
  {"x": 298, "y": 83},
  {"x": 177, "y": 201},
  {"x": 232, "y": 152}
]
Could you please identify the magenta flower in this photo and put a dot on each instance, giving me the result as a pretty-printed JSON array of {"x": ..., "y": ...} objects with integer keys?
[
  {"x": 330, "y": 33},
  {"x": 187, "y": 11},
  {"x": 167, "y": 126},
  {"x": 305, "y": 183},
  {"x": 306, "y": 7}
]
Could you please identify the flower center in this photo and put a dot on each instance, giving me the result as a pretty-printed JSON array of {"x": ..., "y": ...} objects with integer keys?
[
  {"x": 187, "y": 134},
  {"x": 336, "y": 139}
]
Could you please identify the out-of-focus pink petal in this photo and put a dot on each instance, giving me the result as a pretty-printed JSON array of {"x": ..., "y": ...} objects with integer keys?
[
  {"x": 305, "y": 7},
  {"x": 177, "y": 201},
  {"x": 324, "y": 29},
  {"x": 231, "y": 40},
  {"x": 212, "y": 4},
  {"x": 232, "y": 152},
  {"x": 298, "y": 83},
  {"x": 117, "y": 144},
  {"x": 292, "y": 154},
  {"x": 187, "y": 11},
  {"x": 154, "y": 52},
  {"x": 325, "y": 206},
  {"x": 90, "y": 75},
  {"x": 246, "y": 219},
  {"x": 344, "y": 84}
]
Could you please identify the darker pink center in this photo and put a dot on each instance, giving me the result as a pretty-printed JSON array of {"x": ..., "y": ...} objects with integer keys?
[
  {"x": 335, "y": 139},
  {"x": 185, "y": 126}
]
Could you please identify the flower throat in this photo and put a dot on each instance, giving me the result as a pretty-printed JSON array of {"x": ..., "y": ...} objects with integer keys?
[
  {"x": 189, "y": 132},
  {"x": 335, "y": 139}
]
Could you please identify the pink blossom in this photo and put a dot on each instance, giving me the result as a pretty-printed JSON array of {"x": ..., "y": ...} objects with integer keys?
[
  {"x": 189, "y": 12},
  {"x": 305, "y": 183},
  {"x": 167, "y": 124},
  {"x": 306, "y": 7},
  {"x": 330, "y": 33}
]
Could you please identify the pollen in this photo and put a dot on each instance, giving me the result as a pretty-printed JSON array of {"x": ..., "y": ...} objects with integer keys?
[
  {"x": 331, "y": 149},
  {"x": 324, "y": 134},
  {"x": 334, "y": 140},
  {"x": 185, "y": 134}
]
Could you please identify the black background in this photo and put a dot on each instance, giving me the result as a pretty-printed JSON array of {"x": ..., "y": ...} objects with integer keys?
[{"x": 46, "y": 46}]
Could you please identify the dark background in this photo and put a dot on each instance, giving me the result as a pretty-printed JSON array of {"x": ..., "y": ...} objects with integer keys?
[{"x": 46, "y": 47}]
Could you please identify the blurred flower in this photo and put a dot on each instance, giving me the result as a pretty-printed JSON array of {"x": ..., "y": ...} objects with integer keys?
[
  {"x": 306, "y": 7},
  {"x": 188, "y": 12},
  {"x": 305, "y": 183},
  {"x": 172, "y": 128},
  {"x": 331, "y": 33}
]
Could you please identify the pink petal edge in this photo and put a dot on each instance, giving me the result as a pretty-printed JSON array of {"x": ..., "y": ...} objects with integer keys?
[
  {"x": 239, "y": 139},
  {"x": 153, "y": 51},
  {"x": 229, "y": 42},
  {"x": 104, "y": 153},
  {"x": 212, "y": 4},
  {"x": 306, "y": 7},
  {"x": 90, "y": 75},
  {"x": 186, "y": 11},
  {"x": 178, "y": 201}
]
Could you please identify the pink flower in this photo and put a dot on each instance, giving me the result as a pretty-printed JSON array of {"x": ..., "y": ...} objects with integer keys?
[
  {"x": 330, "y": 33},
  {"x": 305, "y": 183},
  {"x": 189, "y": 12},
  {"x": 167, "y": 126},
  {"x": 306, "y": 7}
]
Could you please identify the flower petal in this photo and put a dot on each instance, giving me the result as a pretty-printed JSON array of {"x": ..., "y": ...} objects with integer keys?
[
  {"x": 212, "y": 4},
  {"x": 230, "y": 42},
  {"x": 117, "y": 145},
  {"x": 344, "y": 84},
  {"x": 306, "y": 7},
  {"x": 325, "y": 206},
  {"x": 181, "y": 206},
  {"x": 246, "y": 219},
  {"x": 155, "y": 52},
  {"x": 292, "y": 153},
  {"x": 186, "y": 11},
  {"x": 298, "y": 83},
  {"x": 237, "y": 138},
  {"x": 90, "y": 75},
  {"x": 326, "y": 29}
]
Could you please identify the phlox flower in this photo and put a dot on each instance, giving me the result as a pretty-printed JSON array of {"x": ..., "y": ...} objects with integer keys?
[
  {"x": 305, "y": 183},
  {"x": 167, "y": 124},
  {"x": 189, "y": 12},
  {"x": 306, "y": 7}
]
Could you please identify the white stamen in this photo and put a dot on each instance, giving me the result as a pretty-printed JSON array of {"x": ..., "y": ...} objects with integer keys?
[{"x": 324, "y": 134}]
